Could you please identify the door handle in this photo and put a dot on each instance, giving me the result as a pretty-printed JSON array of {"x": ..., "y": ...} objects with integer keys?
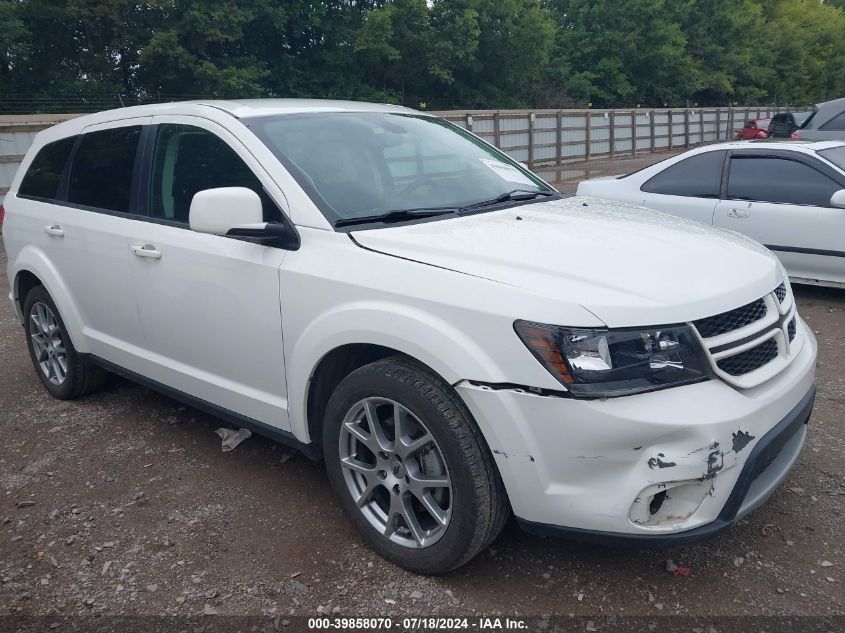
[
  {"x": 147, "y": 250},
  {"x": 55, "y": 230},
  {"x": 738, "y": 213}
]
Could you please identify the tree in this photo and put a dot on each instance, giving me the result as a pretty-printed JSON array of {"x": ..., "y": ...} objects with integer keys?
[
  {"x": 807, "y": 52},
  {"x": 624, "y": 52},
  {"x": 465, "y": 53}
]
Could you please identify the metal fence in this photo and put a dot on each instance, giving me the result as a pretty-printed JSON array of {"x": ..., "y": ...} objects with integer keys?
[
  {"x": 546, "y": 138},
  {"x": 542, "y": 139}
]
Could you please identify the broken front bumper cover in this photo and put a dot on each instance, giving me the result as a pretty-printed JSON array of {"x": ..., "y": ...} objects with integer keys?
[{"x": 768, "y": 464}]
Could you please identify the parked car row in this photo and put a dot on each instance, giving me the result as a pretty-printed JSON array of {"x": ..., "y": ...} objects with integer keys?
[
  {"x": 781, "y": 125},
  {"x": 790, "y": 196},
  {"x": 455, "y": 339},
  {"x": 826, "y": 122}
]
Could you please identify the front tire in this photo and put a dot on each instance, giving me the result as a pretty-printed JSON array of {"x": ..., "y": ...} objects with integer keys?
[
  {"x": 59, "y": 366},
  {"x": 410, "y": 467}
]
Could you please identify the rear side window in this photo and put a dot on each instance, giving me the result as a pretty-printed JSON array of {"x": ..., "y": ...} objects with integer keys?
[
  {"x": 699, "y": 176},
  {"x": 189, "y": 159},
  {"x": 45, "y": 173},
  {"x": 835, "y": 155},
  {"x": 771, "y": 179},
  {"x": 101, "y": 175},
  {"x": 835, "y": 124}
]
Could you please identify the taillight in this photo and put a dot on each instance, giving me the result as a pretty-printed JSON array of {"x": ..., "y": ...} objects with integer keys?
[{"x": 2, "y": 215}]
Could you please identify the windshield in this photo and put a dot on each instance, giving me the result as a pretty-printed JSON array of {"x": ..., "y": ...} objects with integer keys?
[
  {"x": 357, "y": 164},
  {"x": 835, "y": 155},
  {"x": 800, "y": 117},
  {"x": 808, "y": 119}
]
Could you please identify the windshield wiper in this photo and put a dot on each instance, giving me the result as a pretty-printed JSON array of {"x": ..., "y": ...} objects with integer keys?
[
  {"x": 398, "y": 215},
  {"x": 401, "y": 215},
  {"x": 513, "y": 194}
]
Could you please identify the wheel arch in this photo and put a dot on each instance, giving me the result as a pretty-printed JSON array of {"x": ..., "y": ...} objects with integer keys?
[
  {"x": 329, "y": 372},
  {"x": 350, "y": 337},
  {"x": 33, "y": 268},
  {"x": 25, "y": 281}
]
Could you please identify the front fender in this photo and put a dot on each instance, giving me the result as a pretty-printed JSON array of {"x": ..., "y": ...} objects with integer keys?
[
  {"x": 33, "y": 260},
  {"x": 419, "y": 334}
]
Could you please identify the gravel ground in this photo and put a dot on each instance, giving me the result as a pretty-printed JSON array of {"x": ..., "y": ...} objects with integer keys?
[{"x": 122, "y": 503}]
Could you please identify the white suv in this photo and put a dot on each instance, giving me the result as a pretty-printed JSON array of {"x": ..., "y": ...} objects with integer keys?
[{"x": 384, "y": 290}]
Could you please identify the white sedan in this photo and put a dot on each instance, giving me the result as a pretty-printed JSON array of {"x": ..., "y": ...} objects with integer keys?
[{"x": 789, "y": 196}]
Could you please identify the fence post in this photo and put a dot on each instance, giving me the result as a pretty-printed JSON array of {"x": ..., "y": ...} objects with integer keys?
[
  {"x": 671, "y": 128},
  {"x": 612, "y": 133},
  {"x": 559, "y": 137},
  {"x": 469, "y": 122},
  {"x": 497, "y": 140},
  {"x": 652, "y": 140},
  {"x": 633, "y": 132},
  {"x": 718, "y": 124},
  {"x": 530, "y": 140},
  {"x": 701, "y": 126},
  {"x": 686, "y": 128},
  {"x": 731, "y": 124},
  {"x": 588, "y": 126}
]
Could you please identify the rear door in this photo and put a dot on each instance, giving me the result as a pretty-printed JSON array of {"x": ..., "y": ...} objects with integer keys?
[
  {"x": 84, "y": 233},
  {"x": 209, "y": 305},
  {"x": 689, "y": 188},
  {"x": 782, "y": 199}
]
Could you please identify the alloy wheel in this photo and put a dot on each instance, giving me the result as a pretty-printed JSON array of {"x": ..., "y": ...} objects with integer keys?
[
  {"x": 395, "y": 472},
  {"x": 47, "y": 343}
]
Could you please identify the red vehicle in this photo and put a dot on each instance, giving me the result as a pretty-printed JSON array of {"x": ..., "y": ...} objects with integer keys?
[{"x": 754, "y": 129}]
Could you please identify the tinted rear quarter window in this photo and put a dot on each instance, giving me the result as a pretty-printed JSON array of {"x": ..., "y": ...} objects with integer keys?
[
  {"x": 836, "y": 124},
  {"x": 772, "y": 179},
  {"x": 698, "y": 176},
  {"x": 44, "y": 175},
  {"x": 835, "y": 155},
  {"x": 101, "y": 175}
]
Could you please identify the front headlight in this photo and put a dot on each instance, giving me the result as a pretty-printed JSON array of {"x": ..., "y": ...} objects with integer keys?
[{"x": 606, "y": 363}]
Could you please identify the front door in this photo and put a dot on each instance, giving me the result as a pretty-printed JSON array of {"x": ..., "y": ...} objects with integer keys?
[
  {"x": 209, "y": 305},
  {"x": 784, "y": 203}
]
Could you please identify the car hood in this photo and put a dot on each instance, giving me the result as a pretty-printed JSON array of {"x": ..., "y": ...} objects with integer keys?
[{"x": 626, "y": 264}]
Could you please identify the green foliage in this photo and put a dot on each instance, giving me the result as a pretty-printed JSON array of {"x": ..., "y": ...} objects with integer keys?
[{"x": 429, "y": 53}]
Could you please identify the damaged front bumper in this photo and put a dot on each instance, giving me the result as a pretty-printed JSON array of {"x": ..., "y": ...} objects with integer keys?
[{"x": 664, "y": 468}]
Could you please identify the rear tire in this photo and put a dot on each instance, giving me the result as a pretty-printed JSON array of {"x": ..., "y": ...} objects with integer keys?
[
  {"x": 61, "y": 369},
  {"x": 429, "y": 500}
]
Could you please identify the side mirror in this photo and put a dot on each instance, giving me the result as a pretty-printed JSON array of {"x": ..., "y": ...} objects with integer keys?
[
  {"x": 217, "y": 211},
  {"x": 838, "y": 199},
  {"x": 237, "y": 212}
]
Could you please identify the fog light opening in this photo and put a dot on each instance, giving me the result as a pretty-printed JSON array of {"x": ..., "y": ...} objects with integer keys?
[
  {"x": 655, "y": 506},
  {"x": 656, "y": 501}
]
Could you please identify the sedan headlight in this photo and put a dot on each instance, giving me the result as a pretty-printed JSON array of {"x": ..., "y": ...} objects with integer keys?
[{"x": 606, "y": 363}]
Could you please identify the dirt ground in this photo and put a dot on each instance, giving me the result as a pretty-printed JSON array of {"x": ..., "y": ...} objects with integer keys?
[{"x": 122, "y": 503}]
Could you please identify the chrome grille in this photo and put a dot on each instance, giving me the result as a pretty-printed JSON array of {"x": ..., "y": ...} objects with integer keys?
[
  {"x": 780, "y": 293},
  {"x": 791, "y": 329},
  {"x": 749, "y": 360},
  {"x": 731, "y": 320}
]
